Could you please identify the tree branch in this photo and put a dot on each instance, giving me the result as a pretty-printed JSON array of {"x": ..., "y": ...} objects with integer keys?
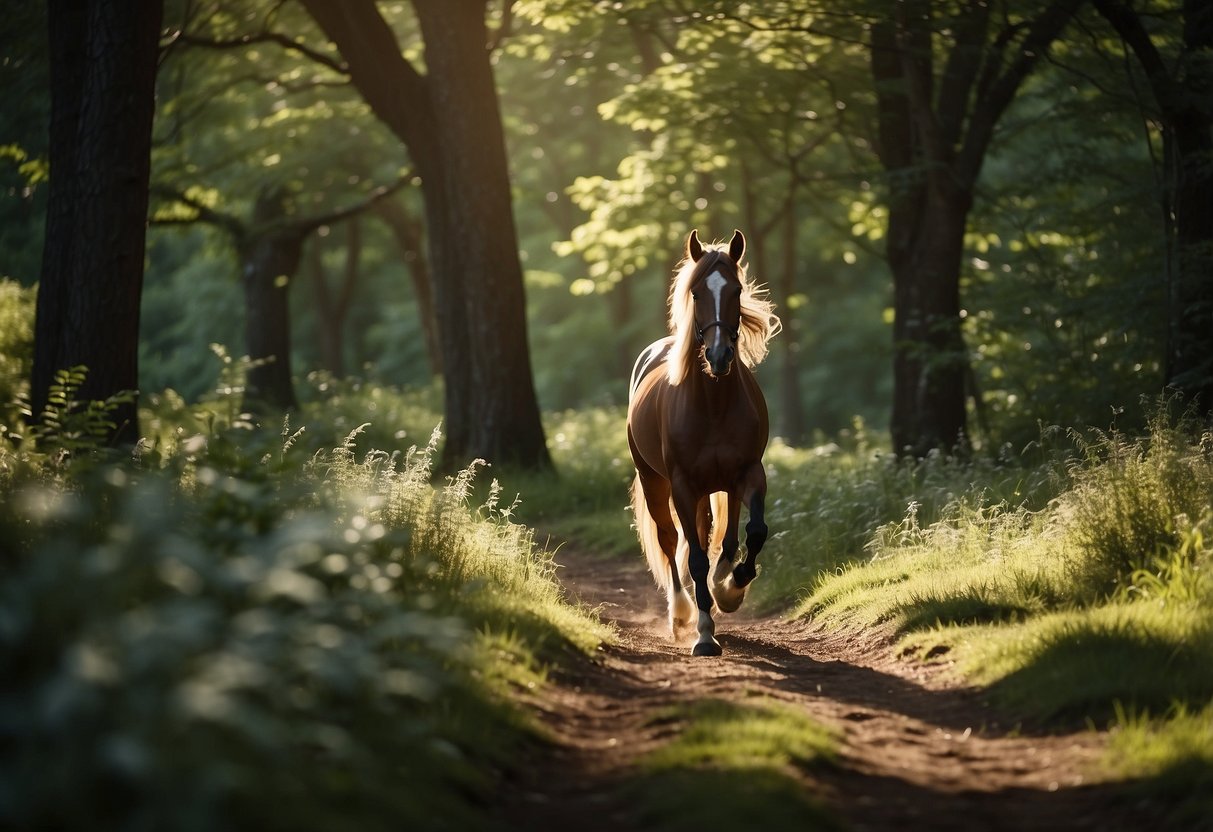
[
  {"x": 308, "y": 224},
  {"x": 960, "y": 71},
  {"x": 227, "y": 223},
  {"x": 990, "y": 107},
  {"x": 261, "y": 37}
]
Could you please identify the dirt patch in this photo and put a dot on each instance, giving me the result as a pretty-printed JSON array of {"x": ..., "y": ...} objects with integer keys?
[{"x": 917, "y": 752}]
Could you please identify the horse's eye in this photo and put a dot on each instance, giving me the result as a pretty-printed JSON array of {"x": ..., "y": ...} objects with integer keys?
[{"x": 694, "y": 296}]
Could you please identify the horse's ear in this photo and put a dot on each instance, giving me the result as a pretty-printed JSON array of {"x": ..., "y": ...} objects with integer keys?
[
  {"x": 694, "y": 248},
  {"x": 737, "y": 246}
]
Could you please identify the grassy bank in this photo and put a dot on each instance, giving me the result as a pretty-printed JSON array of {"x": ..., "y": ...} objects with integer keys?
[
  {"x": 238, "y": 629},
  {"x": 1072, "y": 580}
]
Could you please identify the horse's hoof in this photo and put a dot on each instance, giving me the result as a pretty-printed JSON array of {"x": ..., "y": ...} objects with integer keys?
[
  {"x": 706, "y": 648},
  {"x": 743, "y": 573},
  {"x": 730, "y": 601}
]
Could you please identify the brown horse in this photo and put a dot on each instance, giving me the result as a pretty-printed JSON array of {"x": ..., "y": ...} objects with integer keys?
[{"x": 697, "y": 428}]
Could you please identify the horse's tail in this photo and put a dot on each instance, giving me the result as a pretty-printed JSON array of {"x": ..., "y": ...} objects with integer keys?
[{"x": 646, "y": 530}]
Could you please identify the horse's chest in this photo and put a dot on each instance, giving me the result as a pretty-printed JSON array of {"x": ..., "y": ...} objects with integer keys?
[{"x": 718, "y": 457}]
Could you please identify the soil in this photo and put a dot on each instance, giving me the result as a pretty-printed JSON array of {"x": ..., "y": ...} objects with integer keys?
[{"x": 917, "y": 751}]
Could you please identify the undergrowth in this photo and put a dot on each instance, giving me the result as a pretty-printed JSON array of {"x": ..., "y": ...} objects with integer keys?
[{"x": 233, "y": 628}]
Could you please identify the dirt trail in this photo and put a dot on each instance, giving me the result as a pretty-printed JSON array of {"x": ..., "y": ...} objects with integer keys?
[{"x": 917, "y": 753}]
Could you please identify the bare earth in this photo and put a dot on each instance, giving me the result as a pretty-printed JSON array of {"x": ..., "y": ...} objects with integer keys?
[{"x": 917, "y": 751}]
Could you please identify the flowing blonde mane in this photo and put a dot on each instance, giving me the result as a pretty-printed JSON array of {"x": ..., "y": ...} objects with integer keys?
[{"x": 759, "y": 324}]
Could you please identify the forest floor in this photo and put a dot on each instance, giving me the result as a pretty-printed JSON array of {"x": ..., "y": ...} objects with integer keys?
[{"x": 916, "y": 751}]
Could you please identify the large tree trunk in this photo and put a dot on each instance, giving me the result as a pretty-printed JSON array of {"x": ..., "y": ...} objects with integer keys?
[
  {"x": 501, "y": 422},
  {"x": 934, "y": 133},
  {"x": 1190, "y": 359},
  {"x": 1190, "y": 117},
  {"x": 930, "y": 362},
  {"x": 269, "y": 261},
  {"x": 103, "y": 74},
  {"x": 451, "y": 123}
]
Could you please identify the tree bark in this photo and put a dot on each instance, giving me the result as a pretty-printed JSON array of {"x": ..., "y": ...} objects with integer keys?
[
  {"x": 933, "y": 135},
  {"x": 1183, "y": 98},
  {"x": 269, "y": 261},
  {"x": 408, "y": 233},
  {"x": 103, "y": 58},
  {"x": 793, "y": 407},
  {"x": 333, "y": 306},
  {"x": 451, "y": 122}
]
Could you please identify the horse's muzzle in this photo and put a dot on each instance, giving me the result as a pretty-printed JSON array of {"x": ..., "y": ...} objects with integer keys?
[{"x": 720, "y": 359}]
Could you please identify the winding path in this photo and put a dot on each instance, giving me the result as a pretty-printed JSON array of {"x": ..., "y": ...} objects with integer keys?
[{"x": 917, "y": 752}]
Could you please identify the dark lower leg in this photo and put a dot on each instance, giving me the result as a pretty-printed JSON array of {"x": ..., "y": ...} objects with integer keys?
[{"x": 755, "y": 537}]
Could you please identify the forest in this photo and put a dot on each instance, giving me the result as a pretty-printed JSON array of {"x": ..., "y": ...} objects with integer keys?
[{"x": 317, "y": 319}]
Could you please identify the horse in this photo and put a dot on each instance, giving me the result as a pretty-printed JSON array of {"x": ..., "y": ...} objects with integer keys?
[{"x": 697, "y": 428}]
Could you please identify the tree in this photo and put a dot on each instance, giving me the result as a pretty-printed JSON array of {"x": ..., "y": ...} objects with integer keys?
[
  {"x": 269, "y": 247},
  {"x": 449, "y": 119},
  {"x": 312, "y": 158},
  {"x": 1183, "y": 96},
  {"x": 408, "y": 233},
  {"x": 103, "y": 58},
  {"x": 934, "y": 133}
]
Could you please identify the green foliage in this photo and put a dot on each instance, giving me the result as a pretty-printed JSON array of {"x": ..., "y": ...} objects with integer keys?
[
  {"x": 1140, "y": 508},
  {"x": 68, "y": 433},
  {"x": 828, "y": 508},
  {"x": 16, "y": 346},
  {"x": 252, "y": 635},
  {"x": 747, "y": 755},
  {"x": 1092, "y": 604},
  {"x": 1174, "y": 756}
]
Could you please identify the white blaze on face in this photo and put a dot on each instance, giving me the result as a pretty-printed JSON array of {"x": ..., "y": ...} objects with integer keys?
[{"x": 716, "y": 284}]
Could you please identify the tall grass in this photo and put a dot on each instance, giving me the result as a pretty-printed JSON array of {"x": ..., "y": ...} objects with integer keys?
[
  {"x": 1095, "y": 607},
  {"x": 239, "y": 631},
  {"x": 1073, "y": 581}
]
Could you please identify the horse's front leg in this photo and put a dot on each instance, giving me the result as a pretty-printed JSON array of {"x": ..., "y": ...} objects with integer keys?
[
  {"x": 686, "y": 504},
  {"x": 756, "y": 528},
  {"x": 724, "y": 588}
]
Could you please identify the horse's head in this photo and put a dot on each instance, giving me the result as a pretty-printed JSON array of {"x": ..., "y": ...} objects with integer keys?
[{"x": 716, "y": 290}]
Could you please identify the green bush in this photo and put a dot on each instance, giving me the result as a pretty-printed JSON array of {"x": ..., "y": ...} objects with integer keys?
[
  {"x": 254, "y": 637},
  {"x": 1134, "y": 500},
  {"x": 16, "y": 346}
]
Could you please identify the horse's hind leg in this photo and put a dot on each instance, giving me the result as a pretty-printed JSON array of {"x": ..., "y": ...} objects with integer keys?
[{"x": 657, "y": 500}]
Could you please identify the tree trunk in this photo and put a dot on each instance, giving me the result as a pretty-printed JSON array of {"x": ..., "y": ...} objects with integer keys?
[
  {"x": 331, "y": 357},
  {"x": 502, "y": 421},
  {"x": 793, "y": 408},
  {"x": 934, "y": 133},
  {"x": 451, "y": 123},
  {"x": 269, "y": 261},
  {"x": 103, "y": 58},
  {"x": 1183, "y": 100},
  {"x": 332, "y": 308},
  {"x": 408, "y": 233},
  {"x": 930, "y": 361},
  {"x": 1190, "y": 362}
]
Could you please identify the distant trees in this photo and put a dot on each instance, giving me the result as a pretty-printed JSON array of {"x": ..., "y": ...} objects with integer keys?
[
  {"x": 103, "y": 57},
  {"x": 269, "y": 248},
  {"x": 850, "y": 144},
  {"x": 311, "y": 159}
]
